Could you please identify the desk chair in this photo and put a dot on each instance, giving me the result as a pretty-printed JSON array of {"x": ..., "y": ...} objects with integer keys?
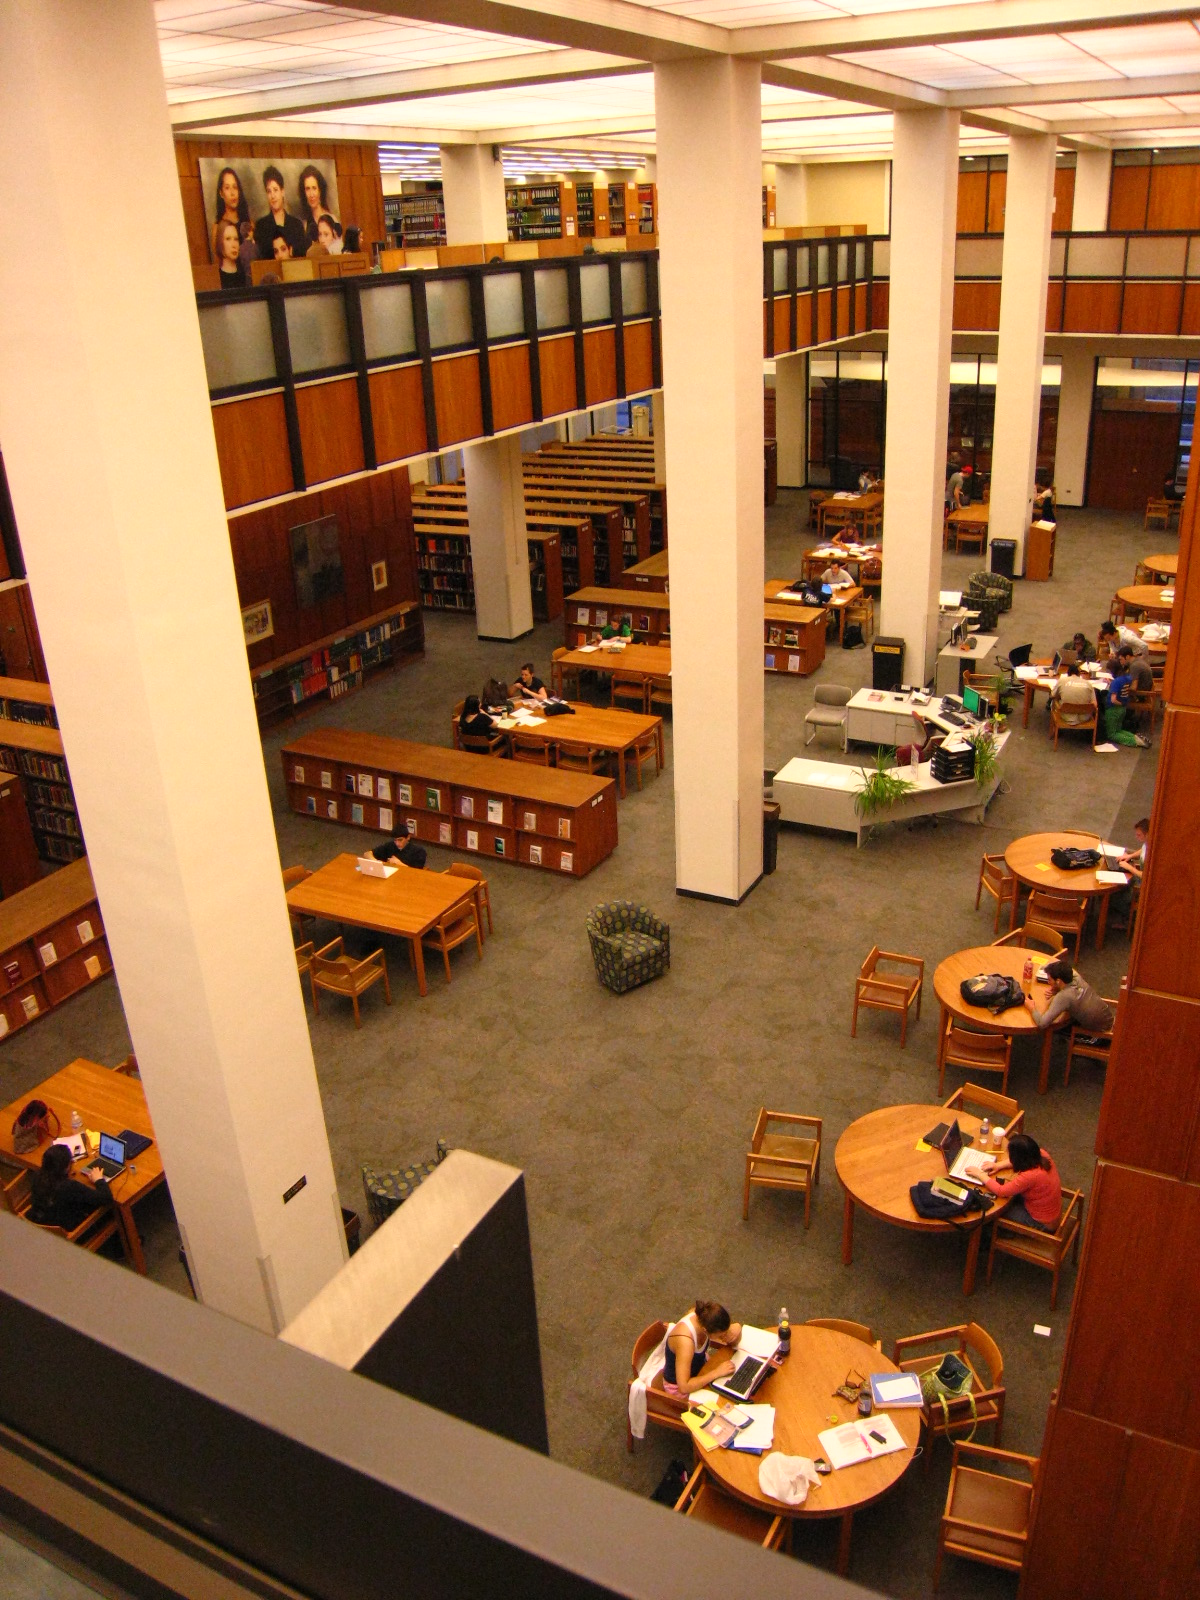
[
  {"x": 705, "y": 1502},
  {"x": 96, "y": 1229},
  {"x": 783, "y": 1160},
  {"x": 302, "y": 921},
  {"x": 1142, "y": 700},
  {"x": 974, "y": 1052},
  {"x": 527, "y": 747},
  {"x": 644, "y": 748},
  {"x": 862, "y": 611},
  {"x": 888, "y": 991},
  {"x": 1041, "y": 1249},
  {"x": 664, "y": 1410},
  {"x": 1158, "y": 515},
  {"x": 628, "y": 689},
  {"x": 304, "y": 955},
  {"x": 561, "y": 676},
  {"x": 455, "y": 927},
  {"x": 1065, "y": 913},
  {"x": 333, "y": 970},
  {"x": 1088, "y": 1043},
  {"x": 483, "y": 901},
  {"x": 1072, "y": 719},
  {"x": 828, "y": 710},
  {"x": 970, "y": 538},
  {"x": 853, "y": 1330},
  {"x": 988, "y": 1514},
  {"x": 483, "y": 744},
  {"x": 979, "y": 1352},
  {"x": 995, "y": 877},
  {"x": 574, "y": 756},
  {"x": 986, "y": 686},
  {"x": 999, "y": 1108},
  {"x": 1035, "y": 933},
  {"x": 658, "y": 693}
]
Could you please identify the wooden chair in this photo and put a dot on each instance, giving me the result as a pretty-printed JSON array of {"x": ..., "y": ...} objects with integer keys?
[
  {"x": 628, "y": 689},
  {"x": 1045, "y": 1250},
  {"x": 884, "y": 992},
  {"x": 1072, "y": 719},
  {"x": 664, "y": 1410},
  {"x": 870, "y": 573},
  {"x": 576, "y": 757},
  {"x": 862, "y": 611},
  {"x": 853, "y": 1330},
  {"x": 304, "y": 955},
  {"x": 705, "y": 1502},
  {"x": 986, "y": 686},
  {"x": 1033, "y": 932},
  {"x": 644, "y": 748},
  {"x": 970, "y": 537},
  {"x": 1141, "y": 701},
  {"x": 988, "y": 1514},
  {"x": 96, "y": 1229},
  {"x": 560, "y": 675},
  {"x": 783, "y": 1160},
  {"x": 974, "y": 1052},
  {"x": 333, "y": 970},
  {"x": 302, "y": 921},
  {"x": 658, "y": 693},
  {"x": 998, "y": 1107},
  {"x": 129, "y": 1067},
  {"x": 979, "y": 1352},
  {"x": 1088, "y": 1043},
  {"x": 483, "y": 900},
  {"x": 1158, "y": 515},
  {"x": 1065, "y": 913},
  {"x": 815, "y": 497},
  {"x": 455, "y": 927},
  {"x": 1000, "y": 883},
  {"x": 527, "y": 747},
  {"x": 484, "y": 744}
]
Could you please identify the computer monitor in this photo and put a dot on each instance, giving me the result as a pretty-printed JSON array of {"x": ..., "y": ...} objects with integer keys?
[{"x": 972, "y": 702}]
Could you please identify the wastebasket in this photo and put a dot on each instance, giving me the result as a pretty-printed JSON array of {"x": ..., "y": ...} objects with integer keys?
[
  {"x": 1003, "y": 557},
  {"x": 770, "y": 835},
  {"x": 887, "y": 662}
]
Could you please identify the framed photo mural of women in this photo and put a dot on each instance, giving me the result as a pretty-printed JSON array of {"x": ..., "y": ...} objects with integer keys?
[{"x": 279, "y": 207}]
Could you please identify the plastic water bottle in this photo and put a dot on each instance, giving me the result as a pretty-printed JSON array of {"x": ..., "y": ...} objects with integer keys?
[
  {"x": 76, "y": 1122},
  {"x": 785, "y": 1332},
  {"x": 985, "y": 1128},
  {"x": 914, "y": 759}
]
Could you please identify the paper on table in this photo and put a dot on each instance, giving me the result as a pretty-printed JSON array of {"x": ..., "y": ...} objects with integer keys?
[
  {"x": 754, "y": 1341},
  {"x": 853, "y": 1441},
  {"x": 760, "y": 1435},
  {"x": 1026, "y": 674},
  {"x": 1114, "y": 880},
  {"x": 587, "y": 649}
]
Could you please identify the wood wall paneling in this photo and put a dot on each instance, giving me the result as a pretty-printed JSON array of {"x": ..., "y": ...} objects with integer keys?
[
  {"x": 843, "y": 312},
  {"x": 880, "y": 300},
  {"x": 1132, "y": 454},
  {"x": 1163, "y": 1029},
  {"x": 1191, "y": 308},
  {"x": 398, "y": 413},
  {"x": 976, "y": 305},
  {"x": 1128, "y": 199},
  {"x": 972, "y": 192},
  {"x": 1064, "y": 199},
  {"x": 824, "y": 316},
  {"x": 860, "y": 307},
  {"x": 1170, "y": 903},
  {"x": 1092, "y": 308},
  {"x": 1174, "y": 200},
  {"x": 252, "y": 449},
  {"x": 1151, "y": 307},
  {"x": 639, "y": 357},
  {"x": 600, "y": 365},
  {"x": 512, "y": 398},
  {"x": 457, "y": 398},
  {"x": 1054, "y": 304},
  {"x": 556, "y": 359},
  {"x": 330, "y": 429},
  {"x": 1082, "y": 1469},
  {"x": 781, "y": 310},
  {"x": 997, "y": 191},
  {"x": 1181, "y": 681}
]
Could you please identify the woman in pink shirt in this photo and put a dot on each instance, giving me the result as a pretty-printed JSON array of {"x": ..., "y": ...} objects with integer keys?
[{"x": 1034, "y": 1188}]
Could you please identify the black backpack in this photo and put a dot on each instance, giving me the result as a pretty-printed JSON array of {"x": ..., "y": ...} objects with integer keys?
[
  {"x": 993, "y": 991},
  {"x": 1069, "y": 859},
  {"x": 853, "y": 639}
]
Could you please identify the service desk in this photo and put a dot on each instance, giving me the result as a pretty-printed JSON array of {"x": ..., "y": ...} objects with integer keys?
[{"x": 953, "y": 661}]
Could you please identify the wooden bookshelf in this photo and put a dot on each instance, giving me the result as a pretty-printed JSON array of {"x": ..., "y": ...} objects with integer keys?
[
  {"x": 338, "y": 663},
  {"x": 629, "y": 475},
  {"x": 52, "y": 945},
  {"x": 421, "y": 218},
  {"x": 445, "y": 574},
  {"x": 541, "y": 210},
  {"x": 590, "y": 611},
  {"x": 545, "y": 576},
  {"x": 22, "y": 700},
  {"x": 35, "y": 754},
  {"x": 585, "y": 210},
  {"x": 1039, "y": 552},
  {"x": 793, "y": 639},
  {"x": 509, "y": 811},
  {"x": 647, "y": 194},
  {"x": 651, "y": 574},
  {"x": 548, "y": 538},
  {"x": 591, "y": 532}
]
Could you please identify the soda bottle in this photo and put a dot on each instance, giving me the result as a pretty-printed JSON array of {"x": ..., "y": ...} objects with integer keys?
[
  {"x": 1027, "y": 975},
  {"x": 785, "y": 1332}
]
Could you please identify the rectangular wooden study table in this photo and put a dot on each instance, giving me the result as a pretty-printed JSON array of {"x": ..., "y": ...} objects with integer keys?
[
  {"x": 108, "y": 1102},
  {"x": 850, "y": 510},
  {"x": 651, "y": 660},
  {"x": 405, "y": 905},
  {"x": 972, "y": 520},
  {"x": 605, "y": 728},
  {"x": 779, "y": 591}
]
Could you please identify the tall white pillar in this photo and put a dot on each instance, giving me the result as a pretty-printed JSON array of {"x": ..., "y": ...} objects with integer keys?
[
  {"x": 711, "y": 290},
  {"x": 658, "y": 429},
  {"x": 473, "y": 192},
  {"x": 108, "y": 443},
  {"x": 499, "y": 540},
  {"x": 1029, "y": 200},
  {"x": 1093, "y": 179},
  {"x": 791, "y": 420},
  {"x": 791, "y": 196},
  {"x": 921, "y": 302},
  {"x": 1076, "y": 390}
]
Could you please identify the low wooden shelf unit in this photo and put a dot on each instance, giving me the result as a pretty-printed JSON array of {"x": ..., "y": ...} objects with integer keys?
[
  {"x": 36, "y": 755},
  {"x": 333, "y": 666},
  {"x": 52, "y": 945}
]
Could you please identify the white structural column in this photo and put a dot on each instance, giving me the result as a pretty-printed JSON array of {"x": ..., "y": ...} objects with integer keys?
[
  {"x": 1093, "y": 180},
  {"x": 791, "y": 196},
  {"x": 108, "y": 443},
  {"x": 921, "y": 302},
  {"x": 791, "y": 420},
  {"x": 499, "y": 548},
  {"x": 711, "y": 290},
  {"x": 1076, "y": 390},
  {"x": 1029, "y": 202},
  {"x": 473, "y": 192}
]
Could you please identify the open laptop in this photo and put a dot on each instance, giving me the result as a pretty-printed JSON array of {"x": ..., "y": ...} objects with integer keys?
[
  {"x": 745, "y": 1378},
  {"x": 111, "y": 1159},
  {"x": 959, "y": 1156}
]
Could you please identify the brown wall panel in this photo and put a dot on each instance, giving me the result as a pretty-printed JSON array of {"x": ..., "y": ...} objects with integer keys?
[
  {"x": 1163, "y": 960},
  {"x": 1181, "y": 681},
  {"x": 398, "y": 413},
  {"x": 330, "y": 429},
  {"x": 1128, "y": 196},
  {"x": 843, "y": 312},
  {"x": 600, "y": 365},
  {"x": 1082, "y": 1467},
  {"x": 639, "y": 357},
  {"x": 781, "y": 310},
  {"x": 512, "y": 401},
  {"x": 1174, "y": 197},
  {"x": 976, "y": 305},
  {"x": 1165, "y": 1030},
  {"x": 824, "y": 316},
  {"x": 972, "y": 200},
  {"x": 556, "y": 359},
  {"x": 1151, "y": 307},
  {"x": 1138, "y": 1291},
  {"x": 252, "y": 448},
  {"x": 1132, "y": 454},
  {"x": 1092, "y": 308},
  {"x": 456, "y": 398},
  {"x": 880, "y": 300},
  {"x": 1054, "y": 305},
  {"x": 1064, "y": 199},
  {"x": 997, "y": 191},
  {"x": 860, "y": 307},
  {"x": 1191, "y": 308}
]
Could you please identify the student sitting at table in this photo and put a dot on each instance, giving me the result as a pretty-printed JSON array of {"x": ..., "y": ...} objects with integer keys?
[
  {"x": 1133, "y": 863},
  {"x": 404, "y": 850},
  {"x": 837, "y": 577},
  {"x": 1116, "y": 710},
  {"x": 1072, "y": 999},
  {"x": 475, "y": 722},
  {"x": 1081, "y": 647},
  {"x": 1034, "y": 1189},
  {"x": 528, "y": 687},
  {"x": 1141, "y": 677},
  {"x": 60, "y": 1201},
  {"x": 1043, "y": 503},
  {"x": 687, "y": 1346},
  {"x": 1074, "y": 690}
]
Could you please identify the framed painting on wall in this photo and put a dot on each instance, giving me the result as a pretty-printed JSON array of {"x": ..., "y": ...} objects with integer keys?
[{"x": 257, "y": 622}]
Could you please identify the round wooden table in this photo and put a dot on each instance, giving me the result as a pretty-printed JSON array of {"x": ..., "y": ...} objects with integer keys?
[
  {"x": 1028, "y": 860},
  {"x": 1145, "y": 597},
  {"x": 802, "y": 1393},
  {"x": 877, "y": 1163},
  {"x": 1009, "y": 961},
  {"x": 1166, "y": 566}
]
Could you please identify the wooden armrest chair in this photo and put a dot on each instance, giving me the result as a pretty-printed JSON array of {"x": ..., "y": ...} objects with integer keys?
[
  {"x": 1033, "y": 932},
  {"x": 643, "y": 749},
  {"x": 974, "y": 1052},
  {"x": 1045, "y": 1250},
  {"x": 888, "y": 991},
  {"x": 304, "y": 955},
  {"x": 483, "y": 900},
  {"x": 128, "y": 1068},
  {"x": 527, "y": 747},
  {"x": 1064, "y": 913},
  {"x": 1144, "y": 700},
  {"x": 92, "y": 1231},
  {"x": 628, "y": 689},
  {"x": 853, "y": 1330},
  {"x": 704, "y": 1501},
  {"x": 455, "y": 927},
  {"x": 302, "y": 921},
  {"x": 663, "y": 1409},
  {"x": 988, "y": 1514},
  {"x": 575, "y": 756},
  {"x": 979, "y": 1352},
  {"x": 783, "y": 1160},
  {"x": 1158, "y": 515},
  {"x": 658, "y": 693},
  {"x": 1072, "y": 719},
  {"x": 485, "y": 744},
  {"x": 999, "y": 1108},
  {"x": 560, "y": 676},
  {"x": 333, "y": 970},
  {"x": 985, "y": 685},
  {"x": 995, "y": 877},
  {"x": 1088, "y": 1043}
]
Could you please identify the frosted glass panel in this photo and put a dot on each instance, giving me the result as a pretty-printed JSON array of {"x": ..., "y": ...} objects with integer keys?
[
  {"x": 633, "y": 288},
  {"x": 843, "y": 263},
  {"x": 1095, "y": 258},
  {"x": 860, "y": 261},
  {"x": 1058, "y": 255},
  {"x": 1156, "y": 258},
  {"x": 596, "y": 292},
  {"x": 449, "y": 301},
  {"x": 502, "y": 305},
  {"x": 316, "y": 325},
  {"x": 822, "y": 265},
  {"x": 550, "y": 292},
  {"x": 1193, "y": 267},
  {"x": 803, "y": 259},
  {"x": 388, "y": 322},
  {"x": 976, "y": 258},
  {"x": 237, "y": 344},
  {"x": 881, "y": 259},
  {"x": 779, "y": 270}
]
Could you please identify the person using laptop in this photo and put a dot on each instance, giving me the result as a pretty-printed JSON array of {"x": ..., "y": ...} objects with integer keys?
[
  {"x": 1133, "y": 864},
  {"x": 1072, "y": 999},
  {"x": 57, "y": 1199},
  {"x": 474, "y": 721},
  {"x": 1080, "y": 647},
  {"x": 1034, "y": 1189},
  {"x": 688, "y": 1340},
  {"x": 836, "y": 576}
]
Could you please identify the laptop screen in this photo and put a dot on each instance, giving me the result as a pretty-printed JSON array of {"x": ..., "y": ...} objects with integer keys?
[
  {"x": 112, "y": 1148},
  {"x": 952, "y": 1144}
]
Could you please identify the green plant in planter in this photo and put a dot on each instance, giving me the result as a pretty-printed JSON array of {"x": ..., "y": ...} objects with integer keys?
[
  {"x": 984, "y": 745},
  {"x": 881, "y": 786}
]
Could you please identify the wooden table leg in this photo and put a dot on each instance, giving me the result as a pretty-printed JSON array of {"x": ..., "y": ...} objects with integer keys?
[
  {"x": 848, "y": 1231},
  {"x": 1028, "y": 704},
  {"x": 1044, "y": 1071},
  {"x": 620, "y": 755},
  {"x": 843, "y": 1564},
  {"x": 973, "y": 1242},
  {"x": 133, "y": 1240},
  {"x": 419, "y": 963},
  {"x": 1102, "y": 920}
]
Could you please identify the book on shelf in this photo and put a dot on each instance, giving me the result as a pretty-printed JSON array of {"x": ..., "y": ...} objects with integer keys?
[
  {"x": 567, "y": 861},
  {"x": 84, "y": 931},
  {"x": 531, "y": 822},
  {"x": 433, "y": 799},
  {"x": 331, "y": 809},
  {"x": 385, "y": 818},
  {"x": 535, "y": 855},
  {"x": 404, "y": 794},
  {"x": 327, "y": 780},
  {"x": 91, "y": 965},
  {"x": 48, "y": 954},
  {"x": 498, "y": 844},
  {"x": 443, "y": 833},
  {"x": 472, "y": 839},
  {"x": 356, "y": 814},
  {"x": 495, "y": 811},
  {"x": 410, "y": 826},
  {"x": 366, "y": 785}
]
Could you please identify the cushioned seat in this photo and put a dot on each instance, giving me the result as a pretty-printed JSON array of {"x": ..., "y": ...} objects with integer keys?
[
  {"x": 630, "y": 945},
  {"x": 387, "y": 1188},
  {"x": 981, "y": 583}
]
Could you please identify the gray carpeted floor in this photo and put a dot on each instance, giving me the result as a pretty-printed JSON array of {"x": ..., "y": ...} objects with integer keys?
[{"x": 631, "y": 1115}]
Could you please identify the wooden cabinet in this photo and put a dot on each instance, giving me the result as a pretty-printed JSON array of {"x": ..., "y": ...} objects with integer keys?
[
  {"x": 20, "y": 647},
  {"x": 339, "y": 663},
  {"x": 444, "y": 570},
  {"x": 793, "y": 639},
  {"x": 545, "y": 576},
  {"x": 510, "y": 811},
  {"x": 1039, "y": 552},
  {"x": 590, "y": 611},
  {"x": 52, "y": 945}
]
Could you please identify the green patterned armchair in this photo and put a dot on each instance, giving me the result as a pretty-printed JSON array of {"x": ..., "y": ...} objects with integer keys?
[
  {"x": 387, "y": 1188},
  {"x": 996, "y": 584},
  {"x": 629, "y": 945}
]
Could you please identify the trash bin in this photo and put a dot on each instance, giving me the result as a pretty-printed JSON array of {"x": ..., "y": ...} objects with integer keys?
[
  {"x": 770, "y": 835},
  {"x": 1003, "y": 557},
  {"x": 887, "y": 662}
]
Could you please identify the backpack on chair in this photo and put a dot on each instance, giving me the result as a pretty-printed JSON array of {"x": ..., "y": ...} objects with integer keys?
[{"x": 950, "y": 1380}]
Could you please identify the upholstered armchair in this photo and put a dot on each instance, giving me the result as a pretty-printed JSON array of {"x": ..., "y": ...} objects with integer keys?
[{"x": 630, "y": 945}]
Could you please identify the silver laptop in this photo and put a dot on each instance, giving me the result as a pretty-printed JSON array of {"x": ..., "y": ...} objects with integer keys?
[
  {"x": 745, "y": 1378},
  {"x": 111, "y": 1159},
  {"x": 959, "y": 1156}
]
